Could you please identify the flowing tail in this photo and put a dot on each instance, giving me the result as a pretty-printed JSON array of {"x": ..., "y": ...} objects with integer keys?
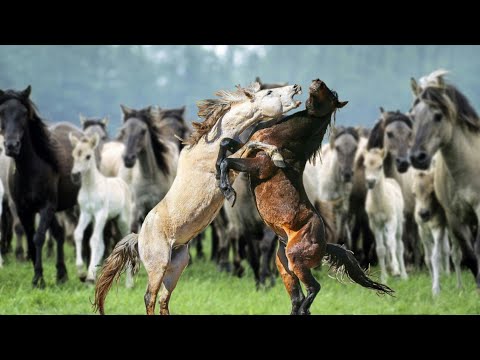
[
  {"x": 339, "y": 257},
  {"x": 124, "y": 256}
]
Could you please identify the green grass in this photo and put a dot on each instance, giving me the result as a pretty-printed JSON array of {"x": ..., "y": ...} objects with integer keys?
[{"x": 204, "y": 290}]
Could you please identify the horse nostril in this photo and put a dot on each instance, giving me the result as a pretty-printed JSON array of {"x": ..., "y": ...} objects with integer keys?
[
  {"x": 422, "y": 156},
  {"x": 347, "y": 177}
]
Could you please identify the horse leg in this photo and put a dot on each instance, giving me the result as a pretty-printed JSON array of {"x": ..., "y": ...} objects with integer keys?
[
  {"x": 266, "y": 246},
  {"x": 97, "y": 245},
  {"x": 178, "y": 263},
  {"x": 227, "y": 144},
  {"x": 461, "y": 235},
  {"x": 199, "y": 245},
  {"x": 305, "y": 250},
  {"x": 58, "y": 232},
  {"x": 400, "y": 251},
  {"x": 46, "y": 216},
  {"x": 427, "y": 241},
  {"x": 271, "y": 150},
  {"x": 381, "y": 251},
  {"x": 457, "y": 260},
  {"x": 83, "y": 222},
  {"x": 437, "y": 234},
  {"x": 446, "y": 251},
  {"x": 215, "y": 241},
  {"x": 290, "y": 280},
  {"x": 390, "y": 235},
  {"x": 27, "y": 220},
  {"x": 156, "y": 259}
]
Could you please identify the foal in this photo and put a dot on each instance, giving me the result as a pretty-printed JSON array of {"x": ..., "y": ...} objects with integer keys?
[
  {"x": 432, "y": 227},
  {"x": 100, "y": 198},
  {"x": 282, "y": 201},
  {"x": 384, "y": 206}
]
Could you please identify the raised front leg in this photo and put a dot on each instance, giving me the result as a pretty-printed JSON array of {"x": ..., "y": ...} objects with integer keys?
[
  {"x": 83, "y": 221},
  {"x": 227, "y": 144},
  {"x": 46, "y": 216}
]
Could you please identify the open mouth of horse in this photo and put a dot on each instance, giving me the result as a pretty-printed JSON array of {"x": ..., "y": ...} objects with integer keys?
[{"x": 297, "y": 90}]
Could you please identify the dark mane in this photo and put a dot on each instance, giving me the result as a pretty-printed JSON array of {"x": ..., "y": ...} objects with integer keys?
[
  {"x": 452, "y": 102},
  {"x": 172, "y": 120},
  {"x": 159, "y": 148},
  {"x": 375, "y": 139},
  {"x": 92, "y": 122},
  {"x": 398, "y": 116},
  {"x": 45, "y": 145}
]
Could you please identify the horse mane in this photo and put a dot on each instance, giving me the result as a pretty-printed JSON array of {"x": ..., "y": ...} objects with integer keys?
[
  {"x": 95, "y": 122},
  {"x": 452, "y": 103},
  {"x": 393, "y": 116},
  {"x": 375, "y": 139},
  {"x": 44, "y": 144},
  {"x": 346, "y": 131},
  {"x": 212, "y": 110},
  {"x": 159, "y": 148},
  {"x": 163, "y": 124}
]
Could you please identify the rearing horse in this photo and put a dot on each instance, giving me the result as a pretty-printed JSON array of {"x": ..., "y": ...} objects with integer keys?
[
  {"x": 282, "y": 201},
  {"x": 194, "y": 198}
]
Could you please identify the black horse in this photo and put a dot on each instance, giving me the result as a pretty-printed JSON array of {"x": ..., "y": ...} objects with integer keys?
[{"x": 41, "y": 182}]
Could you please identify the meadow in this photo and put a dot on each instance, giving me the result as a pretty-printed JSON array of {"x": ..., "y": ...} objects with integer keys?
[{"x": 204, "y": 290}]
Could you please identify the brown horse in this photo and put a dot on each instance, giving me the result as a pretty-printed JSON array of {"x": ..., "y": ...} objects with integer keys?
[{"x": 282, "y": 201}]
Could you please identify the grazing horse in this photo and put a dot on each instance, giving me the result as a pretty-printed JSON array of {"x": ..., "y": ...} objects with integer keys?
[
  {"x": 432, "y": 228},
  {"x": 100, "y": 198},
  {"x": 393, "y": 132},
  {"x": 157, "y": 156},
  {"x": 194, "y": 199},
  {"x": 444, "y": 121},
  {"x": 281, "y": 198},
  {"x": 41, "y": 182},
  {"x": 384, "y": 206}
]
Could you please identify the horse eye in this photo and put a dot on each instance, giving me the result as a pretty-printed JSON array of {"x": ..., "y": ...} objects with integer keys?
[
  {"x": 269, "y": 92},
  {"x": 88, "y": 157},
  {"x": 389, "y": 134},
  {"x": 437, "y": 117}
]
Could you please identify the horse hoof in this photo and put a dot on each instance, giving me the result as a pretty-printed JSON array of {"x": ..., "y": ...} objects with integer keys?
[
  {"x": 226, "y": 267},
  {"x": 90, "y": 281},
  {"x": 19, "y": 255},
  {"x": 278, "y": 160},
  {"x": 238, "y": 271},
  {"x": 304, "y": 312},
  {"x": 38, "y": 282},
  {"x": 62, "y": 279}
]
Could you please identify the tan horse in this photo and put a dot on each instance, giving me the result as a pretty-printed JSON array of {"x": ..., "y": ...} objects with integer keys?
[
  {"x": 194, "y": 198},
  {"x": 444, "y": 121}
]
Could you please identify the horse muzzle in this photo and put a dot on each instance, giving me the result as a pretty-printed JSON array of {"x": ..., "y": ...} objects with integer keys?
[
  {"x": 129, "y": 161},
  {"x": 370, "y": 184},
  {"x": 76, "y": 178},
  {"x": 420, "y": 159},
  {"x": 12, "y": 148},
  {"x": 402, "y": 165}
]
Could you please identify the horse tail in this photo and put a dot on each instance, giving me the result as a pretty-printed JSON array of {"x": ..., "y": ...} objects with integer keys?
[
  {"x": 328, "y": 216},
  {"x": 124, "y": 256},
  {"x": 343, "y": 261}
]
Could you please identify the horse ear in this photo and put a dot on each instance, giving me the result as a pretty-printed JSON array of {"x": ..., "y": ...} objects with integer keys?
[
  {"x": 182, "y": 111},
  {"x": 382, "y": 110},
  {"x": 415, "y": 88},
  {"x": 341, "y": 104},
  {"x": 104, "y": 121},
  {"x": 26, "y": 93},
  {"x": 257, "y": 79},
  {"x": 73, "y": 139},
  {"x": 126, "y": 110},
  {"x": 94, "y": 140},
  {"x": 82, "y": 119}
]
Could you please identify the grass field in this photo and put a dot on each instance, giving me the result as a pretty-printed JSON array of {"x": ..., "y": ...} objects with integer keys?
[{"x": 204, "y": 290}]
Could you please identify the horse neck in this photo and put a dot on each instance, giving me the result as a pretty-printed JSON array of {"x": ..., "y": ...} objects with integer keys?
[
  {"x": 332, "y": 171},
  {"x": 458, "y": 155},
  {"x": 378, "y": 192},
  {"x": 390, "y": 168},
  {"x": 27, "y": 157},
  {"x": 236, "y": 120},
  {"x": 91, "y": 176},
  {"x": 146, "y": 159}
]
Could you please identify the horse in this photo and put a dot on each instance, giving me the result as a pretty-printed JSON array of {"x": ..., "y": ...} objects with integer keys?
[
  {"x": 171, "y": 124},
  {"x": 432, "y": 228},
  {"x": 393, "y": 132},
  {"x": 281, "y": 199},
  {"x": 41, "y": 181},
  {"x": 100, "y": 198},
  {"x": 445, "y": 121},
  {"x": 96, "y": 125},
  {"x": 331, "y": 179},
  {"x": 384, "y": 206},
  {"x": 157, "y": 156},
  {"x": 194, "y": 199}
]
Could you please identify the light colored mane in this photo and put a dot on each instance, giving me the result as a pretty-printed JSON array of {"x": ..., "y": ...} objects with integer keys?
[{"x": 213, "y": 110}]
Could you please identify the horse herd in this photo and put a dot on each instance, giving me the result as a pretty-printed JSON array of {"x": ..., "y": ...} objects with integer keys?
[{"x": 403, "y": 194}]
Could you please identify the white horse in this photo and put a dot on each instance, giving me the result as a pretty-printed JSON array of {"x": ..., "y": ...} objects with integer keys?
[
  {"x": 100, "y": 198},
  {"x": 384, "y": 206},
  {"x": 432, "y": 227},
  {"x": 194, "y": 198}
]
